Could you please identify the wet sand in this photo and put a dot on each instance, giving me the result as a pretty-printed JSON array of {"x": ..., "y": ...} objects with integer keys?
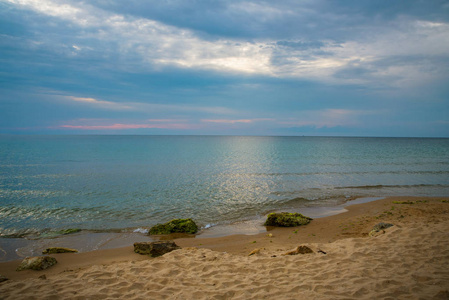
[{"x": 407, "y": 261}]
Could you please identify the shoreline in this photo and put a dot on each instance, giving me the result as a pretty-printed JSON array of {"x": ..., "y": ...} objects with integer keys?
[
  {"x": 348, "y": 230},
  {"x": 87, "y": 240}
]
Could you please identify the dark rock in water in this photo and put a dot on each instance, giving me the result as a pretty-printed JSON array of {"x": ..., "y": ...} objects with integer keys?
[
  {"x": 285, "y": 219},
  {"x": 3, "y": 278},
  {"x": 155, "y": 249},
  {"x": 59, "y": 250},
  {"x": 299, "y": 250},
  {"x": 37, "y": 263},
  {"x": 378, "y": 227},
  {"x": 68, "y": 231},
  {"x": 175, "y": 226}
]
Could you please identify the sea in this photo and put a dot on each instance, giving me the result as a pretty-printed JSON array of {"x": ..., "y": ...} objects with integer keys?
[{"x": 102, "y": 186}]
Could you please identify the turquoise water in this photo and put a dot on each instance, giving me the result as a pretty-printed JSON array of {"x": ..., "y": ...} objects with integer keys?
[{"x": 123, "y": 183}]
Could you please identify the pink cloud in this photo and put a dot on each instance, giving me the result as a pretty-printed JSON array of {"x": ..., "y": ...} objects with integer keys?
[
  {"x": 128, "y": 126},
  {"x": 225, "y": 121},
  {"x": 166, "y": 120}
]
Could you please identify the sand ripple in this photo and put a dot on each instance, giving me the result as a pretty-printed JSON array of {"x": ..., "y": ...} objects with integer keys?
[{"x": 404, "y": 263}]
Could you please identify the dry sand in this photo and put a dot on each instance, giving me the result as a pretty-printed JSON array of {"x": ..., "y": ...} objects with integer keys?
[{"x": 407, "y": 261}]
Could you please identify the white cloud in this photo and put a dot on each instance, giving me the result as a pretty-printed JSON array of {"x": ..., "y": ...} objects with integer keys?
[
  {"x": 156, "y": 42},
  {"x": 226, "y": 121},
  {"x": 100, "y": 103},
  {"x": 327, "y": 118},
  {"x": 149, "y": 107},
  {"x": 159, "y": 45}
]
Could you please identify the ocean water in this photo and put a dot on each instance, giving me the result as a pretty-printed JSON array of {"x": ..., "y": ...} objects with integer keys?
[{"x": 129, "y": 183}]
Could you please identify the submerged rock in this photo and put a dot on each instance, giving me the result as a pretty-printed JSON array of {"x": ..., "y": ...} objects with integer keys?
[
  {"x": 59, "y": 250},
  {"x": 68, "y": 231},
  {"x": 378, "y": 227},
  {"x": 175, "y": 226},
  {"x": 285, "y": 219},
  {"x": 3, "y": 278},
  {"x": 299, "y": 250},
  {"x": 155, "y": 249},
  {"x": 37, "y": 263}
]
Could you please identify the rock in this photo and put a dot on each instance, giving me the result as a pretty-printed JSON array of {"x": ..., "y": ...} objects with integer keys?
[
  {"x": 43, "y": 277},
  {"x": 69, "y": 231},
  {"x": 59, "y": 250},
  {"x": 285, "y": 219},
  {"x": 37, "y": 263},
  {"x": 378, "y": 227},
  {"x": 255, "y": 251},
  {"x": 299, "y": 250},
  {"x": 3, "y": 278},
  {"x": 175, "y": 226},
  {"x": 155, "y": 249}
]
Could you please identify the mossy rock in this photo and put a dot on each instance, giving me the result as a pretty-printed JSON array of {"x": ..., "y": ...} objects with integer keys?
[
  {"x": 37, "y": 263},
  {"x": 175, "y": 226},
  {"x": 155, "y": 249},
  {"x": 299, "y": 250},
  {"x": 285, "y": 219},
  {"x": 53, "y": 250},
  {"x": 379, "y": 227}
]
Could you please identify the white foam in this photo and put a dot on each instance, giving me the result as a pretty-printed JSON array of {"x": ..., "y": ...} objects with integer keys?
[
  {"x": 209, "y": 226},
  {"x": 141, "y": 230}
]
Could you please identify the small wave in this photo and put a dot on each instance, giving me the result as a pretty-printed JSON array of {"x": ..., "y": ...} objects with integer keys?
[
  {"x": 35, "y": 234},
  {"x": 320, "y": 173},
  {"x": 141, "y": 230},
  {"x": 380, "y": 186},
  {"x": 207, "y": 226}
]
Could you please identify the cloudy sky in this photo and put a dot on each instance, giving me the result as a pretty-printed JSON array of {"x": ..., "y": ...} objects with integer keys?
[{"x": 288, "y": 67}]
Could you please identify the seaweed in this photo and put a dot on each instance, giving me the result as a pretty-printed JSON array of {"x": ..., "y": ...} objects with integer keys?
[
  {"x": 53, "y": 250},
  {"x": 175, "y": 226},
  {"x": 403, "y": 202},
  {"x": 285, "y": 219}
]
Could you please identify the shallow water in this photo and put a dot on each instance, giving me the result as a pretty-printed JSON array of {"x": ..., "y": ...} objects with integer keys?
[
  {"x": 117, "y": 184},
  {"x": 84, "y": 241}
]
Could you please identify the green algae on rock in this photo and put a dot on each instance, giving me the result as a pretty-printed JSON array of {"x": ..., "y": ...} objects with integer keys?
[
  {"x": 37, "y": 263},
  {"x": 285, "y": 219},
  {"x": 155, "y": 249},
  {"x": 52, "y": 250},
  {"x": 175, "y": 226},
  {"x": 379, "y": 227}
]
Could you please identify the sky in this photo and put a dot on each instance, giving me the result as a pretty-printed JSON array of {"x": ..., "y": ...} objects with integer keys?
[{"x": 234, "y": 67}]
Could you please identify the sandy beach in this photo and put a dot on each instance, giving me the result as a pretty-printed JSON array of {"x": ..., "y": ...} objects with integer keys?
[{"x": 409, "y": 260}]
